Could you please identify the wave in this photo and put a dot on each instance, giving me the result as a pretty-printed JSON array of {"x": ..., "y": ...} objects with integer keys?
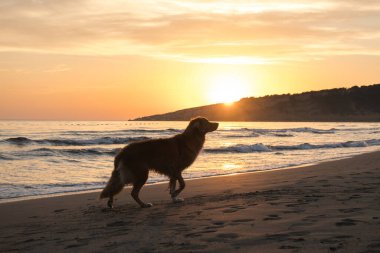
[
  {"x": 5, "y": 157},
  {"x": 238, "y": 148},
  {"x": 70, "y": 152},
  {"x": 64, "y": 153},
  {"x": 283, "y": 135},
  {"x": 12, "y": 191},
  {"x": 282, "y": 132},
  {"x": 131, "y": 131},
  {"x": 259, "y": 147},
  {"x": 285, "y": 132},
  {"x": 170, "y": 130},
  {"x": 71, "y": 142},
  {"x": 51, "y": 185}
]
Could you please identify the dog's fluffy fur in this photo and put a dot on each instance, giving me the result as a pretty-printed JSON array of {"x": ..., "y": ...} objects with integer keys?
[{"x": 169, "y": 156}]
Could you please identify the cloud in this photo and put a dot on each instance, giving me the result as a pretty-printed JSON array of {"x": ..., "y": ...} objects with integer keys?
[{"x": 239, "y": 32}]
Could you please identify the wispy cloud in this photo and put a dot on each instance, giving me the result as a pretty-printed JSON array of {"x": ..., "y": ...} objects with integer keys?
[{"x": 233, "y": 32}]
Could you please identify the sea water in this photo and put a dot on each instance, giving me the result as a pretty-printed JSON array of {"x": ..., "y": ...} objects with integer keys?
[{"x": 38, "y": 158}]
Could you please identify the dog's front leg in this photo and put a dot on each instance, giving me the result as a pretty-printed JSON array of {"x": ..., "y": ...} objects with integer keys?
[
  {"x": 172, "y": 185},
  {"x": 177, "y": 192}
]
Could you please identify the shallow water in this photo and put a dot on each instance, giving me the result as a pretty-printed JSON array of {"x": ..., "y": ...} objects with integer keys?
[{"x": 46, "y": 157}]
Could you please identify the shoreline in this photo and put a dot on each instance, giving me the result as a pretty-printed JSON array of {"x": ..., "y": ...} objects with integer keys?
[
  {"x": 60, "y": 194},
  {"x": 326, "y": 207}
]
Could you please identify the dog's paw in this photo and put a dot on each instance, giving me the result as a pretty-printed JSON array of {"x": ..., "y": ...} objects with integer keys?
[
  {"x": 146, "y": 205},
  {"x": 178, "y": 200}
]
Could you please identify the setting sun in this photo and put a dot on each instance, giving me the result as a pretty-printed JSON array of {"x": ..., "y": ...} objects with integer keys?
[{"x": 228, "y": 88}]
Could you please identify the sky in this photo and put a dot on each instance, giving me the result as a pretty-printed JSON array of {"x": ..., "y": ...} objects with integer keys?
[{"x": 121, "y": 59}]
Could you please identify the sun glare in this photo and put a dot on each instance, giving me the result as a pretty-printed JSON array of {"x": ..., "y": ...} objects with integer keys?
[{"x": 228, "y": 88}]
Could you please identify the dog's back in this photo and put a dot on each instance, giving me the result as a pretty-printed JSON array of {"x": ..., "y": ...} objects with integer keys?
[{"x": 156, "y": 154}]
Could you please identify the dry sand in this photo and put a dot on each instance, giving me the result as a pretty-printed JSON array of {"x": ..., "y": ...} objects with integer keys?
[{"x": 333, "y": 206}]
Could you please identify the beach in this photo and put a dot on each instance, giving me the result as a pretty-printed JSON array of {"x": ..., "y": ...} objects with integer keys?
[{"x": 328, "y": 207}]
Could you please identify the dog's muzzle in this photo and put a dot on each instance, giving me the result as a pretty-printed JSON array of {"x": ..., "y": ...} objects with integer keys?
[{"x": 213, "y": 126}]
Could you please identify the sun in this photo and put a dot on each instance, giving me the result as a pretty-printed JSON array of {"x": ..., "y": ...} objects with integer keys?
[{"x": 228, "y": 88}]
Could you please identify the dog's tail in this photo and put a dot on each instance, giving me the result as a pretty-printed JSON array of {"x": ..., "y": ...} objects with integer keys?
[{"x": 114, "y": 185}]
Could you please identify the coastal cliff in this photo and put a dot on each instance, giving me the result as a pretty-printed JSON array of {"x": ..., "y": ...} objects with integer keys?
[{"x": 341, "y": 104}]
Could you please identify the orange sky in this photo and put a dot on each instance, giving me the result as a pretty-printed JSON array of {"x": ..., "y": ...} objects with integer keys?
[{"x": 106, "y": 60}]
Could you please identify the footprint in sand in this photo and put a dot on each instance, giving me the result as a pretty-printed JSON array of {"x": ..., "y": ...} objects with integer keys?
[
  {"x": 335, "y": 243},
  {"x": 29, "y": 240},
  {"x": 229, "y": 210},
  {"x": 208, "y": 230},
  {"x": 346, "y": 222},
  {"x": 110, "y": 245},
  {"x": 296, "y": 210},
  {"x": 74, "y": 246},
  {"x": 350, "y": 210},
  {"x": 296, "y": 236},
  {"x": 222, "y": 237},
  {"x": 190, "y": 247},
  {"x": 310, "y": 177},
  {"x": 375, "y": 247},
  {"x": 195, "y": 234},
  {"x": 354, "y": 196},
  {"x": 243, "y": 220},
  {"x": 227, "y": 235},
  {"x": 271, "y": 198},
  {"x": 233, "y": 209},
  {"x": 117, "y": 224},
  {"x": 218, "y": 223},
  {"x": 189, "y": 216},
  {"x": 272, "y": 217},
  {"x": 180, "y": 228},
  {"x": 288, "y": 247},
  {"x": 299, "y": 233},
  {"x": 277, "y": 237}
]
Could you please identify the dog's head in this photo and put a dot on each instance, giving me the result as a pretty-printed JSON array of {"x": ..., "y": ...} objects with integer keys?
[{"x": 202, "y": 125}]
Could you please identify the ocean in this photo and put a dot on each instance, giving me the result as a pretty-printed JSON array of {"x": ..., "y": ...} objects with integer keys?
[{"x": 40, "y": 158}]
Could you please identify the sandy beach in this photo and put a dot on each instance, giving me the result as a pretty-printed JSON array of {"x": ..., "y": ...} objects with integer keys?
[{"x": 332, "y": 206}]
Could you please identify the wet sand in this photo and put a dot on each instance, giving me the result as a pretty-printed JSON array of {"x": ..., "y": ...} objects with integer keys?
[{"x": 329, "y": 207}]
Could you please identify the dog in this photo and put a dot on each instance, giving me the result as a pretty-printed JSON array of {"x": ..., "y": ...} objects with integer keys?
[{"x": 167, "y": 156}]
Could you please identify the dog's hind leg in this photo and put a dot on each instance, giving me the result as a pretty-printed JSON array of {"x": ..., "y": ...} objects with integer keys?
[{"x": 139, "y": 182}]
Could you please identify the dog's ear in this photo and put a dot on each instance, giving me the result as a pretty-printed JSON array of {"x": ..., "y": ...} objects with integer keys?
[{"x": 196, "y": 124}]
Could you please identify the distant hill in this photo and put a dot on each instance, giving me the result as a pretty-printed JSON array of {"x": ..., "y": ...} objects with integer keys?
[{"x": 342, "y": 104}]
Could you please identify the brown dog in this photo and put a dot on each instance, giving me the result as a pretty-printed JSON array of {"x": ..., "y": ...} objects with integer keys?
[{"x": 168, "y": 156}]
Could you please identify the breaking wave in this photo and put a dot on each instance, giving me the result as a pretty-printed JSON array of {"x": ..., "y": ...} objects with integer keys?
[
  {"x": 259, "y": 147},
  {"x": 74, "y": 152},
  {"x": 71, "y": 142},
  {"x": 126, "y": 131},
  {"x": 287, "y": 132}
]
